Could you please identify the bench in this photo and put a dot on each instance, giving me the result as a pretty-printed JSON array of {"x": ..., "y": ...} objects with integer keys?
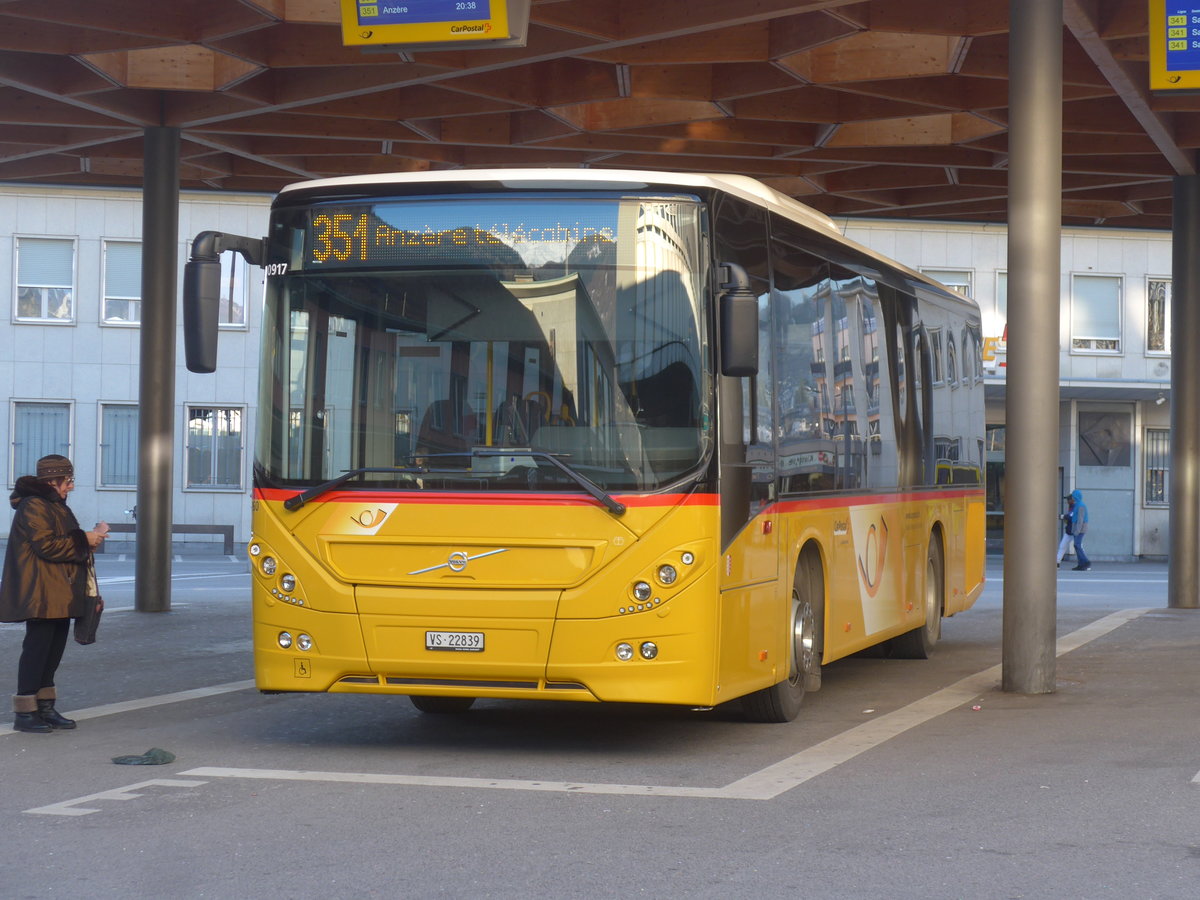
[{"x": 226, "y": 531}]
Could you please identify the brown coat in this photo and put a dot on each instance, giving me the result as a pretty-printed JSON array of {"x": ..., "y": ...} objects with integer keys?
[{"x": 45, "y": 564}]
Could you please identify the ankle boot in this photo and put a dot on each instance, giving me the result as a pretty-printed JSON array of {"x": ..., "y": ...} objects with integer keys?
[
  {"x": 25, "y": 715},
  {"x": 52, "y": 717}
]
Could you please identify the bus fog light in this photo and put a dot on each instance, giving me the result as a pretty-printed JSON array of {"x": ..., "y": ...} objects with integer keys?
[
  {"x": 642, "y": 591},
  {"x": 304, "y": 642},
  {"x": 288, "y": 582},
  {"x": 667, "y": 574},
  {"x": 649, "y": 649},
  {"x": 624, "y": 651},
  {"x": 285, "y": 640},
  {"x": 688, "y": 558},
  {"x": 268, "y": 565}
]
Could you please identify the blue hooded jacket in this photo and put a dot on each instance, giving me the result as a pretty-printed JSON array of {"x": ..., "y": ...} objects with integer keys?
[{"x": 1079, "y": 517}]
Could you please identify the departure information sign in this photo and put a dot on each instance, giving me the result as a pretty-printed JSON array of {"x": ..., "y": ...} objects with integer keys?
[
  {"x": 388, "y": 22},
  {"x": 1174, "y": 45}
]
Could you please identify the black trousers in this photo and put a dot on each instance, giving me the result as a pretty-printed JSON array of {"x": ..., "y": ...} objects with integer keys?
[{"x": 42, "y": 651}]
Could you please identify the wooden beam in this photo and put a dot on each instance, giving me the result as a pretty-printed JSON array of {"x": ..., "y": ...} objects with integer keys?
[{"x": 1079, "y": 18}]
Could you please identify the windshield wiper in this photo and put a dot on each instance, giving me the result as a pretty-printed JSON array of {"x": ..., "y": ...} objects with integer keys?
[
  {"x": 610, "y": 503},
  {"x": 297, "y": 501},
  {"x": 613, "y": 505}
]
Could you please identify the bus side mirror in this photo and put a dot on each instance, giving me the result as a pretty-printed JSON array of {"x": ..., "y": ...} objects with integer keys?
[
  {"x": 738, "y": 321},
  {"x": 202, "y": 293},
  {"x": 201, "y": 309}
]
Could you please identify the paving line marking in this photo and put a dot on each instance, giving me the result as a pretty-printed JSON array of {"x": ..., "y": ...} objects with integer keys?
[
  {"x": 112, "y": 709},
  {"x": 129, "y": 792},
  {"x": 765, "y": 784}
]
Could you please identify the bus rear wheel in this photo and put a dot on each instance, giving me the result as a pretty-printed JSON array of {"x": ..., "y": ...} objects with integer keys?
[
  {"x": 442, "y": 705},
  {"x": 781, "y": 702},
  {"x": 919, "y": 643}
]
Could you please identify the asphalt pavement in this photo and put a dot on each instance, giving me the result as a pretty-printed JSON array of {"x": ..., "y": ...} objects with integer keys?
[{"x": 900, "y": 778}]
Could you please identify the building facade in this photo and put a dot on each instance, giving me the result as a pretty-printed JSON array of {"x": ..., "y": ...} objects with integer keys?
[{"x": 69, "y": 356}]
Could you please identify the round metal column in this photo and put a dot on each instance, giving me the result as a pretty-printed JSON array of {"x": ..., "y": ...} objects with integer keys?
[
  {"x": 1183, "y": 574},
  {"x": 1031, "y": 410},
  {"x": 156, "y": 388}
]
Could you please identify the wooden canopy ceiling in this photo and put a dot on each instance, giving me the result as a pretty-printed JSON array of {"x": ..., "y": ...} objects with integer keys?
[{"x": 893, "y": 108}]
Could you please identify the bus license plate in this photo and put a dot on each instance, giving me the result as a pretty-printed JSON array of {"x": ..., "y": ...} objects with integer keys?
[{"x": 471, "y": 641}]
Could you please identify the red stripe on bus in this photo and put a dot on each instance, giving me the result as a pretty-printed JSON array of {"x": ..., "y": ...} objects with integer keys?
[
  {"x": 489, "y": 499},
  {"x": 844, "y": 501}
]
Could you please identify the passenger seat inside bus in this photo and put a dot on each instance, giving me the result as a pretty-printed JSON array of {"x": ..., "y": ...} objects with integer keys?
[{"x": 448, "y": 426}]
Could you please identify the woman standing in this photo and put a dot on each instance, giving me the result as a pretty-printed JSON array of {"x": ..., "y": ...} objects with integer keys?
[{"x": 47, "y": 570}]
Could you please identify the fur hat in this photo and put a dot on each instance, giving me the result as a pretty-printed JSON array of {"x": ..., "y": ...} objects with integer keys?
[{"x": 54, "y": 466}]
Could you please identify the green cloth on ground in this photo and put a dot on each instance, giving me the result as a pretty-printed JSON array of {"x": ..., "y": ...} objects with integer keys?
[{"x": 152, "y": 757}]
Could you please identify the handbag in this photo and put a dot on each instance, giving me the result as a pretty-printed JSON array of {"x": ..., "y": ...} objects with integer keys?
[{"x": 87, "y": 624}]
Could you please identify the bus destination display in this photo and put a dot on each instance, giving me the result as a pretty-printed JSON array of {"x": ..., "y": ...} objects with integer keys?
[{"x": 358, "y": 235}]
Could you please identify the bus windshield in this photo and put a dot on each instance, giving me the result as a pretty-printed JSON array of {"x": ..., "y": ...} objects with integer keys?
[{"x": 412, "y": 340}]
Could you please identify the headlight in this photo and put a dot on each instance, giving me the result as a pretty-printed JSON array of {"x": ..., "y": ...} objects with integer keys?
[
  {"x": 285, "y": 640},
  {"x": 288, "y": 582},
  {"x": 624, "y": 651},
  {"x": 255, "y": 550},
  {"x": 649, "y": 649},
  {"x": 642, "y": 591},
  {"x": 688, "y": 558},
  {"x": 268, "y": 565},
  {"x": 304, "y": 642},
  {"x": 667, "y": 574}
]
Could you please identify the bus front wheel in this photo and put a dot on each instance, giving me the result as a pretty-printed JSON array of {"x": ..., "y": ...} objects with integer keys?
[
  {"x": 441, "y": 705},
  {"x": 781, "y": 702}
]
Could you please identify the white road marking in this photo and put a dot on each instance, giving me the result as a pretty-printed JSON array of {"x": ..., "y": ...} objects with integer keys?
[
  {"x": 112, "y": 709},
  {"x": 70, "y": 807},
  {"x": 765, "y": 784},
  {"x": 130, "y": 579}
]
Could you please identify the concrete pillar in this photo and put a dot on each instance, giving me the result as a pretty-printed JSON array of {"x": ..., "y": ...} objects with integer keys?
[
  {"x": 1031, "y": 407},
  {"x": 156, "y": 388},
  {"x": 1183, "y": 573}
]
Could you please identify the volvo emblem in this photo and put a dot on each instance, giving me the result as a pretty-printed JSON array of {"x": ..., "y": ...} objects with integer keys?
[{"x": 457, "y": 561}]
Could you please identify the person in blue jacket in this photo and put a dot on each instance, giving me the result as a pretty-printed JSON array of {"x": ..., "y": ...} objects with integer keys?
[{"x": 1079, "y": 527}]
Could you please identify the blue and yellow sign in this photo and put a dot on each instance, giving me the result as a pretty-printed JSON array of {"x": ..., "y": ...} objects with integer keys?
[
  {"x": 1174, "y": 45},
  {"x": 399, "y": 22}
]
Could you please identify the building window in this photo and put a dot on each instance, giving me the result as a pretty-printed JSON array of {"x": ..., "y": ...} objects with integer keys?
[
  {"x": 45, "y": 280},
  {"x": 1002, "y": 296},
  {"x": 956, "y": 279},
  {"x": 1158, "y": 467},
  {"x": 1096, "y": 313},
  {"x": 118, "y": 444},
  {"x": 214, "y": 447},
  {"x": 1158, "y": 315},
  {"x": 38, "y": 429},
  {"x": 1104, "y": 439},
  {"x": 122, "y": 282},
  {"x": 235, "y": 289}
]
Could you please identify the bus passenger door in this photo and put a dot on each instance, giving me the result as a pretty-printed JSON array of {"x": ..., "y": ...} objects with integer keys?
[{"x": 753, "y": 614}]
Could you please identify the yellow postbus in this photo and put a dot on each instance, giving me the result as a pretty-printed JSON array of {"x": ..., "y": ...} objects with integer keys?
[{"x": 596, "y": 435}]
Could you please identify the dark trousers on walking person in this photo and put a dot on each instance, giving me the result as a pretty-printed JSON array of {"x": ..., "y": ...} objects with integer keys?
[{"x": 1081, "y": 558}]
